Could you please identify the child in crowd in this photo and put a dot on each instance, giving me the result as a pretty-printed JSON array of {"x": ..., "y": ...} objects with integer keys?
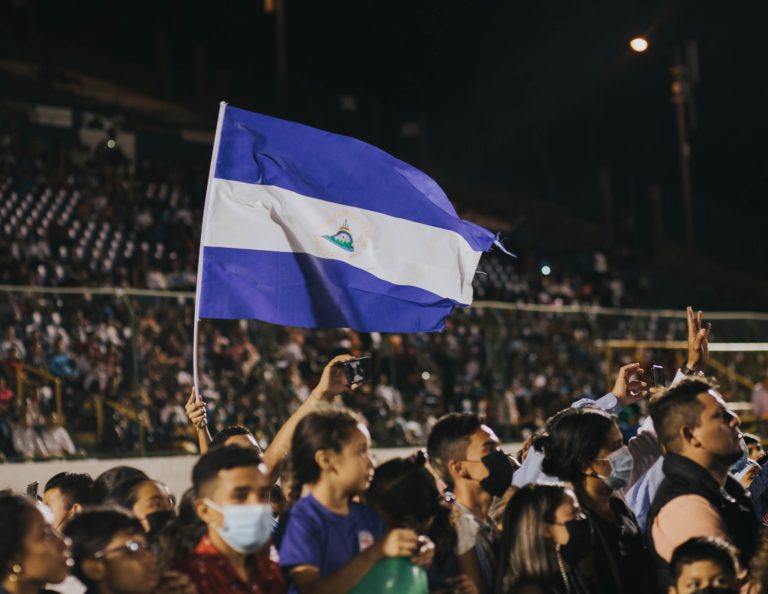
[
  {"x": 704, "y": 564},
  {"x": 112, "y": 555},
  {"x": 329, "y": 542},
  {"x": 405, "y": 495}
]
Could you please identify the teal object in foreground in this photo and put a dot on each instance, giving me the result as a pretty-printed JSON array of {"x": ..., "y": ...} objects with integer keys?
[{"x": 396, "y": 575}]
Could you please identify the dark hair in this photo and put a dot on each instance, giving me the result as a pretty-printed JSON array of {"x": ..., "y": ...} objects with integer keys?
[
  {"x": 752, "y": 439},
  {"x": 179, "y": 536},
  {"x": 526, "y": 552},
  {"x": 76, "y": 488},
  {"x": 91, "y": 532},
  {"x": 109, "y": 479},
  {"x": 448, "y": 441},
  {"x": 676, "y": 408},
  {"x": 704, "y": 548},
  {"x": 209, "y": 465},
  {"x": 126, "y": 493},
  {"x": 222, "y": 436},
  {"x": 403, "y": 489},
  {"x": 15, "y": 515},
  {"x": 325, "y": 429},
  {"x": 574, "y": 437}
]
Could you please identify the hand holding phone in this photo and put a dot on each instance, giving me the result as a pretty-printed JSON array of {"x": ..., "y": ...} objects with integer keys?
[
  {"x": 658, "y": 376},
  {"x": 357, "y": 370}
]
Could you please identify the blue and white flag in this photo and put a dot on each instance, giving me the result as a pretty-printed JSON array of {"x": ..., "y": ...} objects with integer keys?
[{"x": 312, "y": 229}]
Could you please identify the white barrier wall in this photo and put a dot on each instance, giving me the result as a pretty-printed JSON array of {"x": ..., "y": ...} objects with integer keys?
[{"x": 174, "y": 471}]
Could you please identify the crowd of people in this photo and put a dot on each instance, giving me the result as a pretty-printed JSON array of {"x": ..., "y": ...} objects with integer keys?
[{"x": 679, "y": 508}]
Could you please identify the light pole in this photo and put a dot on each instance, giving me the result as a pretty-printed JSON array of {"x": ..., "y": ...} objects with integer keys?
[{"x": 681, "y": 95}]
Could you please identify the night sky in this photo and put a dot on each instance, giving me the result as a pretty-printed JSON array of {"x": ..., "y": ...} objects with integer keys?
[{"x": 532, "y": 98}]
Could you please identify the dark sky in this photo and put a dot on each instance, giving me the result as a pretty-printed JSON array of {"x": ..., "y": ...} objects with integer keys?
[{"x": 533, "y": 97}]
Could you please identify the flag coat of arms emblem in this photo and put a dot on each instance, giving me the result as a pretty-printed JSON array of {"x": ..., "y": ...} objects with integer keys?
[{"x": 312, "y": 229}]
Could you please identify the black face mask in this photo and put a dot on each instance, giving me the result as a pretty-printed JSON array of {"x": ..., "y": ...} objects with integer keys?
[
  {"x": 580, "y": 540},
  {"x": 713, "y": 590},
  {"x": 500, "y": 471},
  {"x": 157, "y": 520}
]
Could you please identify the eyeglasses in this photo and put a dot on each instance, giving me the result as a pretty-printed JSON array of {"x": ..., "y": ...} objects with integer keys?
[{"x": 131, "y": 548}]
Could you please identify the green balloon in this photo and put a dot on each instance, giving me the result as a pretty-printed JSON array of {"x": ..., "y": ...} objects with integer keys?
[{"x": 396, "y": 575}]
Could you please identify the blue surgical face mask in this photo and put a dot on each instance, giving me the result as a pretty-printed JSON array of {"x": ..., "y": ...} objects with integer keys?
[
  {"x": 246, "y": 527},
  {"x": 621, "y": 468}
]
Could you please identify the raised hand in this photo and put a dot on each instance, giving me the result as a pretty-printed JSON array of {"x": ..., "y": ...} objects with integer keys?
[
  {"x": 195, "y": 410},
  {"x": 698, "y": 340},
  {"x": 625, "y": 393}
]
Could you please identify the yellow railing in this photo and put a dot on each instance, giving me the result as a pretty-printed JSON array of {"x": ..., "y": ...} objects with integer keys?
[{"x": 25, "y": 372}]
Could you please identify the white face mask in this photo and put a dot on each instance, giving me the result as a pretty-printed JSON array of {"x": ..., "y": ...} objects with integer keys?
[
  {"x": 246, "y": 527},
  {"x": 621, "y": 468}
]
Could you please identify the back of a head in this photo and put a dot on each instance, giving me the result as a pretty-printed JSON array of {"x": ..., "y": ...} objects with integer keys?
[
  {"x": 92, "y": 530},
  {"x": 124, "y": 494},
  {"x": 573, "y": 439},
  {"x": 109, "y": 479},
  {"x": 404, "y": 488},
  {"x": 448, "y": 441},
  {"x": 76, "y": 488},
  {"x": 222, "y": 436},
  {"x": 179, "y": 536},
  {"x": 15, "y": 516},
  {"x": 527, "y": 551},
  {"x": 676, "y": 408},
  {"x": 705, "y": 548},
  {"x": 325, "y": 429},
  {"x": 210, "y": 464}
]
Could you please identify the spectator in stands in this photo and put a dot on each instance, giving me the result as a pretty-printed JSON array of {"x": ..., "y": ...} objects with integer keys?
[
  {"x": 467, "y": 456},
  {"x": 585, "y": 447},
  {"x": 231, "y": 492},
  {"x": 150, "y": 502},
  {"x": 329, "y": 458},
  {"x": 66, "y": 494},
  {"x": 112, "y": 556},
  {"x": 545, "y": 536},
  {"x": 704, "y": 564},
  {"x": 32, "y": 553},
  {"x": 697, "y": 497},
  {"x": 56, "y": 438},
  {"x": 26, "y": 441},
  {"x": 403, "y": 492}
]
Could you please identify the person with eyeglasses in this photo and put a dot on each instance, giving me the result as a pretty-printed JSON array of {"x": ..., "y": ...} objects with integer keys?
[
  {"x": 32, "y": 553},
  {"x": 112, "y": 556}
]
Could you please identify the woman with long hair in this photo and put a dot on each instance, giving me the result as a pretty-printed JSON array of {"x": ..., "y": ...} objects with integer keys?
[
  {"x": 585, "y": 447},
  {"x": 545, "y": 534}
]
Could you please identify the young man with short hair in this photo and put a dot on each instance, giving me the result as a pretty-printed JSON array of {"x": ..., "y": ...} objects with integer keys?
[
  {"x": 467, "y": 456},
  {"x": 231, "y": 487},
  {"x": 698, "y": 497},
  {"x": 67, "y": 493}
]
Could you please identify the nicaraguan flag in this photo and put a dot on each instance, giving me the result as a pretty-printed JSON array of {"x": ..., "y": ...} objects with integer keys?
[{"x": 307, "y": 228}]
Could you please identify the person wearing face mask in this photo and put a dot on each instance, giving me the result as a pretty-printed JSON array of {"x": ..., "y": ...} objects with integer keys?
[
  {"x": 544, "y": 537},
  {"x": 704, "y": 566},
  {"x": 149, "y": 500},
  {"x": 584, "y": 447},
  {"x": 231, "y": 491},
  {"x": 698, "y": 496},
  {"x": 467, "y": 456}
]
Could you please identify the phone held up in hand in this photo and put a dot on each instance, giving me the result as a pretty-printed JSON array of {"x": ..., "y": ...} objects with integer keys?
[
  {"x": 357, "y": 370},
  {"x": 658, "y": 375}
]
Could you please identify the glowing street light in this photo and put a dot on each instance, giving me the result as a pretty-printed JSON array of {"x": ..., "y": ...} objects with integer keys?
[{"x": 639, "y": 44}]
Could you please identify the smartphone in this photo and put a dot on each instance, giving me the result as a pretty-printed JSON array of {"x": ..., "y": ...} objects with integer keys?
[
  {"x": 357, "y": 370},
  {"x": 32, "y": 490},
  {"x": 658, "y": 375}
]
